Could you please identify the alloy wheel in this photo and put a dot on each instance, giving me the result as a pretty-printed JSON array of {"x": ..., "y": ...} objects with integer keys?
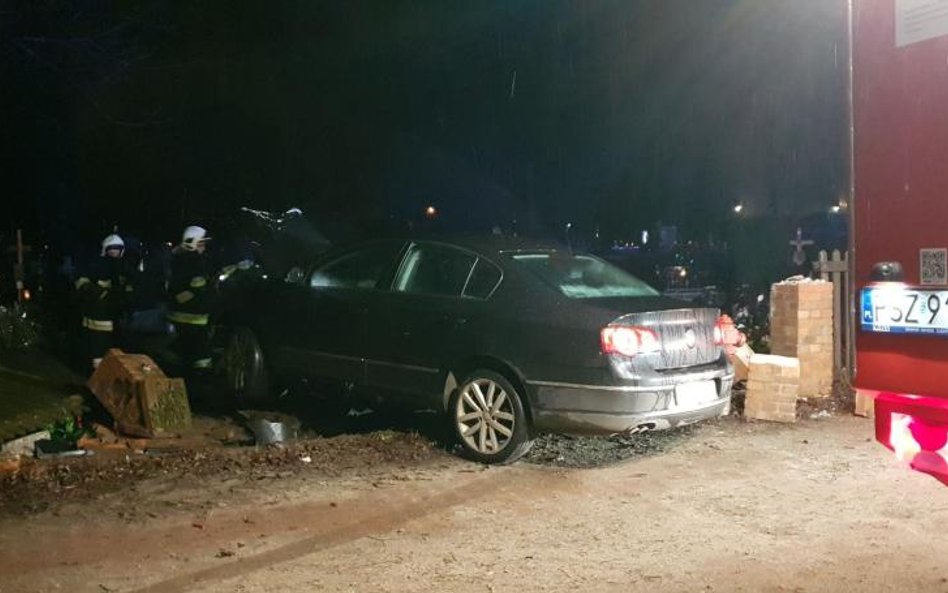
[
  {"x": 236, "y": 361},
  {"x": 485, "y": 416}
]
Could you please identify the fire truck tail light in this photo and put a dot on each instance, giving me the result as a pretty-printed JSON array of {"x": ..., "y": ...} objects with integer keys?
[
  {"x": 916, "y": 429},
  {"x": 901, "y": 440}
]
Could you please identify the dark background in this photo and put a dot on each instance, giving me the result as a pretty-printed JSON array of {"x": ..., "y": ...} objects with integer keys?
[{"x": 612, "y": 114}]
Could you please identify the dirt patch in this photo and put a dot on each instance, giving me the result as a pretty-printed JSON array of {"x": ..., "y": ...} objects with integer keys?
[
  {"x": 45, "y": 485},
  {"x": 727, "y": 506},
  {"x": 841, "y": 401}
]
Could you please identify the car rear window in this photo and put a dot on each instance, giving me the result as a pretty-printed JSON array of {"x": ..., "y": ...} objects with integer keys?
[{"x": 583, "y": 276}]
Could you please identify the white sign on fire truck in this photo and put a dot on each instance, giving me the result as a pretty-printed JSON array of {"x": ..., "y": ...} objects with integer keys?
[{"x": 918, "y": 20}]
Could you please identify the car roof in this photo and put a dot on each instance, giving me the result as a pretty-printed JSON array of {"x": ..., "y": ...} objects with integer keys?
[
  {"x": 491, "y": 246},
  {"x": 494, "y": 244}
]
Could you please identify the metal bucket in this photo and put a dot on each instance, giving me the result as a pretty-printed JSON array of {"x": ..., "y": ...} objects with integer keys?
[{"x": 270, "y": 432}]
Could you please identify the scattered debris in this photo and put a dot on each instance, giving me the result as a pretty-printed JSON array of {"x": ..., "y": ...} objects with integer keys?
[
  {"x": 30, "y": 485},
  {"x": 592, "y": 451},
  {"x": 49, "y": 449},
  {"x": 24, "y": 446}
]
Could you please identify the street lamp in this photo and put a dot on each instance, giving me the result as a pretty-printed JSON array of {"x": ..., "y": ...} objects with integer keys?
[
  {"x": 738, "y": 208},
  {"x": 431, "y": 211}
]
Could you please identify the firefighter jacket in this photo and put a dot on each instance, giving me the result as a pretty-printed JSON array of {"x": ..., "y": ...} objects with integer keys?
[
  {"x": 104, "y": 294},
  {"x": 191, "y": 289}
]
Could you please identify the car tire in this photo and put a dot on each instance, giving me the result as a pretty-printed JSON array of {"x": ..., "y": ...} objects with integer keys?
[
  {"x": 488, "y": 419},
  {"x": 243, "y": 367}
]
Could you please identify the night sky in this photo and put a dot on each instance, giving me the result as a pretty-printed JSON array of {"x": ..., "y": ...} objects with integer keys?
[{"x": 613, "y": 113}]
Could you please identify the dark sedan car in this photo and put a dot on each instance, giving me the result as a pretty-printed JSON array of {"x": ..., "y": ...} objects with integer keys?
[{"x": 508, "y": 338}]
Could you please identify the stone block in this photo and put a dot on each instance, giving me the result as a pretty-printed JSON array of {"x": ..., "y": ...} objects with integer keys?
[
  {"x": 802, "y": 327},
  {"x": 740, "y": 358},
  {"x": 142, "y": 400},
  {"x": 865, "y": 403},
  {"x": 772, "y": 388}
]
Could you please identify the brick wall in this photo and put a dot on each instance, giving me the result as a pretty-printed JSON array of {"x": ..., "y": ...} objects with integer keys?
[
  {"x": 772, "y": 388},
  {"x": 801, "y": 326}
]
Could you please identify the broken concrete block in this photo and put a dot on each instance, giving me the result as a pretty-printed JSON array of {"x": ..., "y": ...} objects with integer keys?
[
  {"x": 741, "y": 361},
  {"x": 23, "y": 446},
  {"x": 865, "y": 403},
  {"x": 142, "y": 400},
  {"x": 772, "y": 388}
]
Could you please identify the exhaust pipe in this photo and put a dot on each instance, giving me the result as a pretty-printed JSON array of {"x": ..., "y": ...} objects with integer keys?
[{"x": 640, "y": 428}]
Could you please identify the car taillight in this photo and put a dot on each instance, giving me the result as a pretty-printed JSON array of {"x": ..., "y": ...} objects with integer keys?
[
  {"x": 628, "y": 340},
  {"x": 719, "y": 333}
]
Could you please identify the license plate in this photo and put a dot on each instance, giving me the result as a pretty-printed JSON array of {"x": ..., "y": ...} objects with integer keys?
[
  {"x": 694, "y": 395},
  {"x": 902, "y": 310}
]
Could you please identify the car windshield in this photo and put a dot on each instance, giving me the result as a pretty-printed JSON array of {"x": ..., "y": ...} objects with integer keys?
[{"x": 583, "y": 276}]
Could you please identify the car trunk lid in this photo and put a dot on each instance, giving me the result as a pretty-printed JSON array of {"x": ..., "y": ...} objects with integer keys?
[{"x": 686, "y": 336}]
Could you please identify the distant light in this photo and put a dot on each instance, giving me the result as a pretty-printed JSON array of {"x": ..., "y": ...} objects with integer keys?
[
  {"x": 431, "y": 211},
  {"x": 644, "y": 237},
  {"x": 739, "y": 208},
  {"x": 835, "y": 209}
]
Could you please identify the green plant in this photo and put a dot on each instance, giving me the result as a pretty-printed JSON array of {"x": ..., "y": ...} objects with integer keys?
[{"x": 67, "y": 430}]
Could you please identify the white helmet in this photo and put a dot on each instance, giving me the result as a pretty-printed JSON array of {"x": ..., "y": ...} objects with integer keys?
[
  {"x": 193, "y": 235},
  {"x": 112, "y": 242}
]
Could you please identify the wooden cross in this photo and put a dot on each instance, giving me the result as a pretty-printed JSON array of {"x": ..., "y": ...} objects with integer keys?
[
  {"x": 20, "y": 250},
  {"x": 799, "y": 256}
]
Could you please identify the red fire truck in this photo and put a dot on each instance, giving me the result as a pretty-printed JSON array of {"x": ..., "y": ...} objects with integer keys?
[{"x": 900, "y": 223}]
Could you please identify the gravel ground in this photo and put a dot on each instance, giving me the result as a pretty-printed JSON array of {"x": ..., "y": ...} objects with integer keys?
[{"x": 726, "y": 506}]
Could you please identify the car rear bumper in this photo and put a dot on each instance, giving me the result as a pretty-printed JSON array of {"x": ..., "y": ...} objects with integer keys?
[{"x": 607, "y": 409}]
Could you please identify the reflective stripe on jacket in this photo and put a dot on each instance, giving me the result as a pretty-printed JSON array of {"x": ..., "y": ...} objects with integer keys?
[
  {"x": 99, "y": 325},
  {"x": 188, "y": 318},
  {"x": 191, "y": 295}
]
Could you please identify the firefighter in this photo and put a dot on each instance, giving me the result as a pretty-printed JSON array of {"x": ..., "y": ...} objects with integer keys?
[
  {"x": 103, "y": 295},
  {"x": 191, "y": 295}
]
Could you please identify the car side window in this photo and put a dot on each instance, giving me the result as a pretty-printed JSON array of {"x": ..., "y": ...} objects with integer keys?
[
  {"x": 484, "y": 280},
  {"x": 435, "y": 270},
  {"x": 364, "y": 268}
]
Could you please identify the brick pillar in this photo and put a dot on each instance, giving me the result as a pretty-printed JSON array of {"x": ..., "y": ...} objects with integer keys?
[
  {"x": 772, "y": 388},
  {"x": 801, "y": 326}
]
